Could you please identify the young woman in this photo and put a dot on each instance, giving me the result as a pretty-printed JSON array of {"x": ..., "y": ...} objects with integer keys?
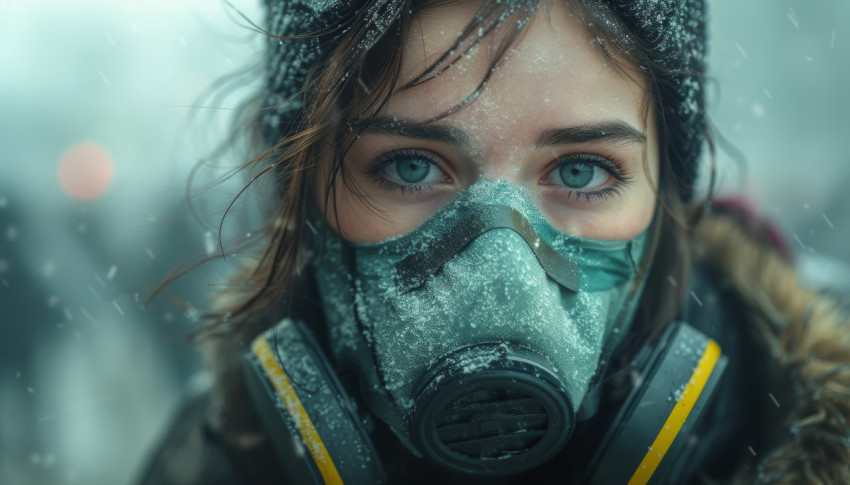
[{"x": 486, "y": 264}]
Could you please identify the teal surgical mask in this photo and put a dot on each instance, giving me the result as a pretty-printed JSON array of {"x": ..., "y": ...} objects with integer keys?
[{"x": 477, "y": 336}]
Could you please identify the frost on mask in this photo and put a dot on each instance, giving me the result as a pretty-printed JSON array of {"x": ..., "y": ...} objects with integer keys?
[{"x": 491, "y": 291}]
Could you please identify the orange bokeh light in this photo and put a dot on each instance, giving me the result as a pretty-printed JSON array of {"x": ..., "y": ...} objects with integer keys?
[{"x": 86, "y": 170}]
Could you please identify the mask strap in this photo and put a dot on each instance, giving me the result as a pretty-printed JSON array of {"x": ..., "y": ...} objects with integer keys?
[
  {"x": 641, "y": 272},
  {"x": 589, "y": 407},
  {"x": 415, "y": 269}
]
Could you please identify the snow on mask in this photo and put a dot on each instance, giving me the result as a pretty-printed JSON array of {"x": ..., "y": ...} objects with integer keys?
[{"x": 484, "y": 303}]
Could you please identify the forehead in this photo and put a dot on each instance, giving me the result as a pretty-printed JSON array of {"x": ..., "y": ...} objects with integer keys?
[{"x": 552, "y": 70}]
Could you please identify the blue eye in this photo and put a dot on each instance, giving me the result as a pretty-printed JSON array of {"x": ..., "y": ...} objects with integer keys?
[
  {"x": 413, "y": 168},
  {"x": 577, "y": 175},
  {"x": 581, "y": 172}
]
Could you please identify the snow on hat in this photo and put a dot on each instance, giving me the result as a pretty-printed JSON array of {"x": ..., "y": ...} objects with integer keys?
[{"x": 672, "y": 32}]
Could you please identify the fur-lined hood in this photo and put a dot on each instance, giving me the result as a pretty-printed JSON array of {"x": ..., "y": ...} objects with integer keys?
[{"x": 806, "y": 334}]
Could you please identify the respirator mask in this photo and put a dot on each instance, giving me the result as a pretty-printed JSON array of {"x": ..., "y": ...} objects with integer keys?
[{"x": 479, "y": 338}]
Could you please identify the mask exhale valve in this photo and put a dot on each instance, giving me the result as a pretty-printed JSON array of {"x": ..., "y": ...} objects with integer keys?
[{"x": 492, "y": 409}]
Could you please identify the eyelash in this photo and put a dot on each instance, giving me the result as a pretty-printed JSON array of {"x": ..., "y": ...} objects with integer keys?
[
  {"x": 622, "y": 178},
  {"x": 374, "y": 170}
]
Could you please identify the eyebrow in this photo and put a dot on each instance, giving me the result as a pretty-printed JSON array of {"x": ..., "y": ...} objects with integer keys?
[
  {"x": 610, "y": 131},
  {"x": 411, "y": 129},
  {"x": 615, "y": 130}
]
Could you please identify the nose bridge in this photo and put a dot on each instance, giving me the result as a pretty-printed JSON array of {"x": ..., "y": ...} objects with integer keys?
[
  {"x": 501, "y": 246},
  {"x": 505, "y": 161},
  {"x": 414, "y": 270}
]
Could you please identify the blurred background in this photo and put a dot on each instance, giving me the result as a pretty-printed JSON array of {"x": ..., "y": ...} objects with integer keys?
[{"x": 88, "y": 379}]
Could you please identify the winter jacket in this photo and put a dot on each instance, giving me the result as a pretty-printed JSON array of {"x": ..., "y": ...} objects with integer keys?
[{"x": 780, "y": 416}]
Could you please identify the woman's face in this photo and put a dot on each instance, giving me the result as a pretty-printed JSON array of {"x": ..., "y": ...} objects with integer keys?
[{"x": 554, "y": 118}]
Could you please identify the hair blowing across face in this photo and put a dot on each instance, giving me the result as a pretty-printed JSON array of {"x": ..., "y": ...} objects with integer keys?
[{"x": 331, "y": 65}]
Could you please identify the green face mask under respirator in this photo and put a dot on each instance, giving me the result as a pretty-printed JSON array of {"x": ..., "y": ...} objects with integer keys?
[{"x": 477, "y": 338}]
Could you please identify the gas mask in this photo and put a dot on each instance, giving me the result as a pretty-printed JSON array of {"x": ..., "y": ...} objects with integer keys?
[{"x": 477, "y": 338}]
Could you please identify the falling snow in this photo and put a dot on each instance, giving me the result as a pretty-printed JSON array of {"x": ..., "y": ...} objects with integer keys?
[
  {"x": 773, "y": 399},
  {"x": 209, "y": 243},
  {"x": 79, "y": 305},
  {"x": 696, "y": 298},
  {"x": 828, "y": 222},
  {"x": 48, "y": 269},
  {"x": 792, "y": 16},
  {"x": 103, "y": 78}
]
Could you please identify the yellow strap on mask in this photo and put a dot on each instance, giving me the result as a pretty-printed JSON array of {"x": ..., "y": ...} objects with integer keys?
[
  {"x": 296, "y": 410},
  {"x": 677, "y": 416}
]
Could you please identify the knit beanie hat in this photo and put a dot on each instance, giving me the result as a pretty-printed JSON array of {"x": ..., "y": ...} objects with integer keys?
[{"x": 672, "y": 32}]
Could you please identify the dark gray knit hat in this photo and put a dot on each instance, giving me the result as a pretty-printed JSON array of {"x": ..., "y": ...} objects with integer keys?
[{"x": 671, "y": 31}]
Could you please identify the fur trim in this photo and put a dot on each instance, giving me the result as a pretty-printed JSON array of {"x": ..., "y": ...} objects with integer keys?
[{"x": 808, "y": 337}]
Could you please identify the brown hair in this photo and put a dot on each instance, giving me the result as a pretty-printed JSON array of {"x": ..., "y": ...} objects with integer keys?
[{"x": 342, "y": 88}]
